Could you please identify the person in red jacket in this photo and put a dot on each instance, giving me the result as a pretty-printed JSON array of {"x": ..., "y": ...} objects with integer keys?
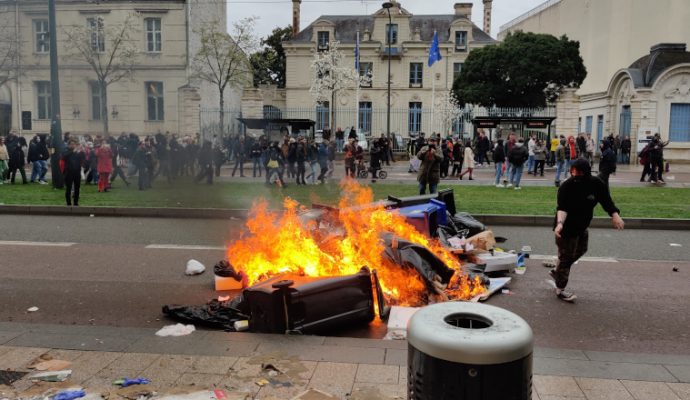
[{"x": 105, "y": 165}]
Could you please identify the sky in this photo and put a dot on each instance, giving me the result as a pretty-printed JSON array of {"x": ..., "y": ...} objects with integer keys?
[{"x": 278, "y": 13}]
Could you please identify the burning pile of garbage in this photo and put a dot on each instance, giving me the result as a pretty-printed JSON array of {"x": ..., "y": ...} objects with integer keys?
[{"x": 310, "y": 269}]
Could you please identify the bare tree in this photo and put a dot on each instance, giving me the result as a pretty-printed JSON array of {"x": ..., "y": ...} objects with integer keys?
[
  {"x": 9, "y": 54},
  {"x": 222, "y": 59},
  {"x": 109, "y": 49}
]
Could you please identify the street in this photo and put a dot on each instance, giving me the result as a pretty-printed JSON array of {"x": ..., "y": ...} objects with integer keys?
[{"x": 120, "y": 271}]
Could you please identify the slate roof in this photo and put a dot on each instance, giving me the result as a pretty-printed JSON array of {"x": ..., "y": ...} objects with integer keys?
[
  {"x": 661, "y": 57},
  {"x": 346, "y": 27}
]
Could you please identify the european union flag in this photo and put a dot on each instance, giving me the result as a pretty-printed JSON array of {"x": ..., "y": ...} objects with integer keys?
[
  {"x": 434, "y": 51},
  {"x": 357, "y": 53}
]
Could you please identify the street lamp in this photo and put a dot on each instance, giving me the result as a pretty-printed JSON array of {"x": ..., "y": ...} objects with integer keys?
[
  {"x": 387, "y": 5},
  {"x": 55, "y": 125}
]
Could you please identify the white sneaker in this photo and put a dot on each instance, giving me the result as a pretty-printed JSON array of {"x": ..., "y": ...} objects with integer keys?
[
  {"x": 509, "y": 185},
  {"x": 499, "y": 186},
  {"x": 518, "y": 188},
  {"x": 43, "y": 182}
]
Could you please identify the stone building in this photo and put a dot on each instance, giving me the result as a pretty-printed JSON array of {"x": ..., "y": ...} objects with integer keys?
[
  {"x": 411, "y": 78},
  {"x": 160, "y": 96},
  {"x": 638, "y": 68}
]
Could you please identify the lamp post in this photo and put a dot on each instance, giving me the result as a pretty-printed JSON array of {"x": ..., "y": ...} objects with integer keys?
[
  {"x": 387, "y": 5},
  {"x": 55, "y": 125}
]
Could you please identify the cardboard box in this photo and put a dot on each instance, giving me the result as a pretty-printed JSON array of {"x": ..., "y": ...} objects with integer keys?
[{"x": 229, "y": 283}]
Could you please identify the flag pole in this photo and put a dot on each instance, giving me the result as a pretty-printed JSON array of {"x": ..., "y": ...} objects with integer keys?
[
  {"x": 358, "y": 81},
  {"x": 433, "y": 93}
]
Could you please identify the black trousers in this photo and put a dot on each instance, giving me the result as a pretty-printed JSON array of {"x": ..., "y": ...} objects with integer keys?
[
  {"x": 13, "y": 173},
  {"x": 117, "y": 171},
  {"x": 570, "y": 249},
  {"x": 72, "y": 182},
  {"x": 539, "y": 165},
  {"x": 205, "y": 171}
]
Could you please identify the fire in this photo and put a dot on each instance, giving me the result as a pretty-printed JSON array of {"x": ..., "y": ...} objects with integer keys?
[{"x": 279, "y": 243}]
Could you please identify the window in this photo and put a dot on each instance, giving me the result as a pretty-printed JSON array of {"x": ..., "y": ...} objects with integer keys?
[
  {"x": 625, "y": 117},
  {"x": 416, "y": 70},
  {"x": 42, "y": 35},
  {"x": 600, "y": 128},
  {"x": 323, "y": 40},
  {"x": 153, "y": 35},
  {"x": 392, "y": 33},
  {"x": 414, "y": 124},
  {"x": 45, "y": 109},
  {"x": 679, "y": 131},
  {"x": 457, "y": 69},
  {"x": 365, "y": 116},
  {"x": 366, "y": 70},
  {"x": 461, "y": 41},
  {"x": 588, "y": 124},
  {"x": 323, "y": 114},
  {"x": 458, "y": 126},
  {"x": 155, "y": 102},
  {"x": 96, "y": 26},
  {"x": 96, "y": 101},
  {"x": 579, "y": 125}
]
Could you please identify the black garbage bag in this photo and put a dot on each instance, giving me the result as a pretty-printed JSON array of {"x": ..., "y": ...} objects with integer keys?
[
  {"x": 225, "y": 269},
  {"x": 214, "y": 314},
  {"x": 466, "y": 221},
  {"x": 412, "y": 255}
]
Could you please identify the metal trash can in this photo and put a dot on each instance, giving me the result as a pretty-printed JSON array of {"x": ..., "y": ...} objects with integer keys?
[{"x": 468, "y": 351}]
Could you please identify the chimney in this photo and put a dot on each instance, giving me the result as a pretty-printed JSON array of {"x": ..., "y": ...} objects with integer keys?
[
  {"x": 463, "y": 10},
  {"x": 295, "y": 16},
  {"x": 487, "y": 16}
]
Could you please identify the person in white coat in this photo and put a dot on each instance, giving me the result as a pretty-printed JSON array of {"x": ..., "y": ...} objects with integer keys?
[{"x": 468, "y": 161}]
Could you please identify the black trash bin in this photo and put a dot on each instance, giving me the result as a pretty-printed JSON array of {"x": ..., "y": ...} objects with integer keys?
[{"x": 468, "y": 351}]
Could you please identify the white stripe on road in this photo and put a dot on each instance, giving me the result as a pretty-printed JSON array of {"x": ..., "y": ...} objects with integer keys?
[
  {"x": 590, "y": 259},
  {"x": 183, "y": 247},
  {"x": 42, "y": 244}
]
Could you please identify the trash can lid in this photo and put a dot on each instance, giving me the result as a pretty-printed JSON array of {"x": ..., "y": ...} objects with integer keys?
[{"x": 470, "y": 333}]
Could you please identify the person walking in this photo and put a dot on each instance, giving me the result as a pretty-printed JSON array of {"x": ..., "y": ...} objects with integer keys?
[
  {"x": 322, "y": 155},
  {"x": 73, "y": 161},
  {"x": 467, "y": 161},
  {"x": 499, "y": 160},
  {"x": 555, "y": 142},
  {"x": 331, "y": 148},
  {"x": 219, "y": 159},
  {"x": 539, "y": 157},
  {"x": 15, "y": 149},
  {"x": 430, "y": 168},
  {"x": 576, "y": 200},
  {"x": 375, "y": 155},
  {"x": 607, "y": 162},
  {"x": 626, "y": 145},
  {"x": 206, "y": 163},
  {"x": 301, "y": 158},
  {"x": 350, "y": 150},
  {"x": 559, "y": 156},
  {"x": 531, "y": 143},
  {"x": 240, "y": 153},
  {"x": 457, "y": 158},
  {"x": 38, "y": 157},
  {"x": 517, "y": 157},
  {"x": 589, "y": 146},
  {"x": 4, "y": 161},
  {"x": 275, "y": 164},
  {"x": 119, "y": 162},
  {"x": 256, "y": 159},
  {"x": 104, "y": 166}
]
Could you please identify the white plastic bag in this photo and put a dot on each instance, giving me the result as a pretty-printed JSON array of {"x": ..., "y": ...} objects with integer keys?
[
  {"x": 175, "y": 330},
  {"x": 194, "y": 267}
]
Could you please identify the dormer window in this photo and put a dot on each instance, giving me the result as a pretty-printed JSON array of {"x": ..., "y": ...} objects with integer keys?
[
  {"x": 392, "y": 34},
  {"x": 461, "y": 41},
  {"x": 323, "y": 40}
]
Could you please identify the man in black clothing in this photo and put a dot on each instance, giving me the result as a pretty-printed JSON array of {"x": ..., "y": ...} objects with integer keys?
[
  {"x": 73, "y": 160},
  {"x": 205, "y": 163},
  {"x": 607, "y": 162},
  {"x": 577, "y": 198}
]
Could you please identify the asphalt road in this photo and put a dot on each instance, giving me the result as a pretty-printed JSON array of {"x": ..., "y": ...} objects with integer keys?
[{"x": 102, "y": 273}]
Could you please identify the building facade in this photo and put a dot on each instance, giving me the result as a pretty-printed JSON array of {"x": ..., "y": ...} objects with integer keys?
[
  {"x": 413, "y": 83},
  {"x": 637, "y": 66},
  {"x": 160, "y": 95}
]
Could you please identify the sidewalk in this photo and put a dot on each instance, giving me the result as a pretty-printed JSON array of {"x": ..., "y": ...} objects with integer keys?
[{"x": 346, "y": 368}]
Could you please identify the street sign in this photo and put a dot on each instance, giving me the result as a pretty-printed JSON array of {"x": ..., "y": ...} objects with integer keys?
[
  {"x": 486, "y": 124},
  {"x": 537, "y": 124},
  {"x": 26, "y": 120}
]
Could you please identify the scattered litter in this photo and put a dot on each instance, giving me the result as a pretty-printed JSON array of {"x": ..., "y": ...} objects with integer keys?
[
  {"x": 7, "y": 377},
  {"x": 227, "y": 278},
  {"x": 241, "y": 326},
  {"x": 549, "y": 263},
  {"x": 135, "y": 393},
  {"x": 51, "y": 365},
  {"x": 32, "y": 309},
  {"x": 223, "y": 298},
  {"x": 217, "y": 394},
  {"x": 495, "y": 284},
  {"x": 526, "y": 250},
  {"x": 91, "y": 215},
  {"x": 397, "y": 322},
  {"x": 52, "y": 376},
  {"x": 495, "y": 262},
  {"x": 261, "y": 382},
  {"x": 501, "y": 239},
  {"x": 69, "y": 395},
  {"x": 670, "y": 178},
  {"x": 314, "y": 394},
  {"x": 520, "y": 260},
  {"x": 273, "y": 371},
  {"x": 675, "y": 245},
  {"x": 506, "y": 291},
  {"x": 176, "y": 330},
  {"x": 194, "y": 267},
  {"x": 483, "y": 240},
  {"x": 125, "y": 382},
  {"x": 521, "y": 270},
  {"x": 675, "y": 269}
]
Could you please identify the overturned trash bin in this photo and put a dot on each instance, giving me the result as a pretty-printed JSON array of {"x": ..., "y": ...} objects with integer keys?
[{"x": 468, "y": 351}]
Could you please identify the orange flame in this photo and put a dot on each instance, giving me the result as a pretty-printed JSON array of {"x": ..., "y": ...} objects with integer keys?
[{"x": 280, "y": 243}]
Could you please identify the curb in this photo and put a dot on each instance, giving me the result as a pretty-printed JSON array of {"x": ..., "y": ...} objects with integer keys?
[{"x": 222, "y": 213}]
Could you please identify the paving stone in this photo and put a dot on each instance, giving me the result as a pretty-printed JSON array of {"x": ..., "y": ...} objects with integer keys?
[
  {"x": 326, "y": 353},
  {"x": 650, "y": 390},
  {"x": 4, "y": 349},
  {"x": 71, "y": 341},
  {"x": 201, "y": 381},
  {"x": 185, "y": 345},
  {"x": 212, "y": 365},
  {"x": 7, "y": 336},
  {"x": 546, "y": 352},
  {"x": 682, "y": 390},
  {"x": 402, "y": 377},
  {"x": 556, "y": 386},
  {"x": 603, "y": 389},
  {"x": 535, "y": 396},
  {"x": 90, "y": 363},
  {"x": 388, "y": 374},
  {"x": 396, "y": 357},
  {"x": 634, "y": 358},
  {"x": 104, "y": 378},
  {"x": 17, "y": 358},
  {"x": 222, "y": 348},
  {"x": 334, "y": 378},
  {"x": 134, "y": 361},
  {"x": 167, "y": 370},
  {"x": 67, "y": 355},
  {"x": 358, "y": 342},
  {"x": 368, "y": 391},
  {"x": 603, "y": 370},
  {"x": 680, "y": 372},
  {"x": 280, "y": 392},
  {"x": 551, "y": 397},
  {"x": 246, "y": 367}
]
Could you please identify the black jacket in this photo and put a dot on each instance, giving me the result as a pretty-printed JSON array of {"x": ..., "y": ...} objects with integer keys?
[
  {"x": 578, "y": 196},
  {"x": 73, "y": 162},
  {"x": 518, "y": 155},
  {"x": 38, "y": 151},
  {"x": 607, "y": 162},
  {"x": 499, "y": 154}
]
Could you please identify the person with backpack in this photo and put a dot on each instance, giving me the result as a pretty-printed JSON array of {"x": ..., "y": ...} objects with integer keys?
[
  {"x": 607, "y": 162},
  {"x": 275, "y": 164},
  {"x": 517, "y": 157},
  {"x": 499, "y": 160},
  {"x": 38, "y": 156}
]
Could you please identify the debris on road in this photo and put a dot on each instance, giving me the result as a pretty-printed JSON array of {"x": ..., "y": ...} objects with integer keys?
[
  {"x": 194, "y": 267},
  {"x": 227, "y": 278},
  {"x": 8, "y": 377},
  {"x": 675, "y": 245},
  {"x": 675, "y": 269},
  {"x": 495, "y": 285},
  {"x": 314, "y": 394},
  {"x": 397, "y": 322},
  {"x": 52, "y": 376},
  {"x": 241, "y": 326},
  {"x": 125, "y": 382},
  {"x": 69, "y": 395},
  {"x": 32, "y": 309},
  {"x": 51, "y": 365},
  {"x": 175, "y": 330}
]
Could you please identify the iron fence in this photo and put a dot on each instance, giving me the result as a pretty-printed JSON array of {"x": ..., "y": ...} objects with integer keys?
[{"x": 209, "y": 121}]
